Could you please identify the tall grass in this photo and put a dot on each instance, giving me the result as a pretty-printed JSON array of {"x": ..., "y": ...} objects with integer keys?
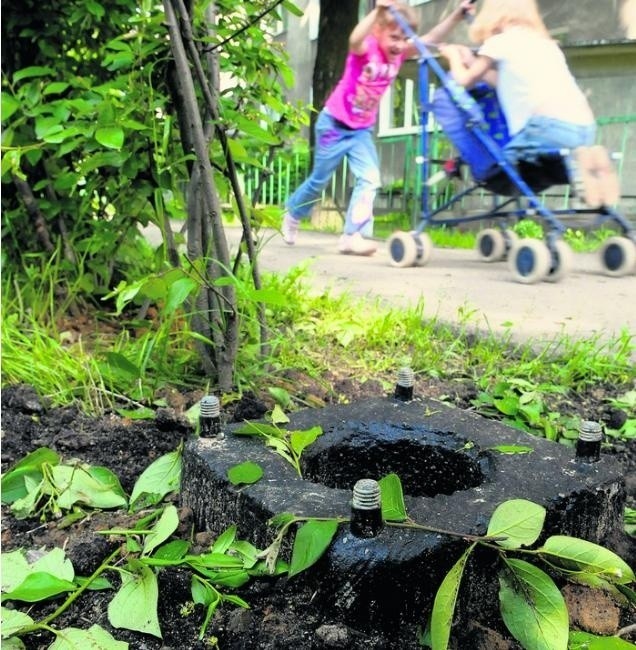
[{"x": 315, "y": 333}]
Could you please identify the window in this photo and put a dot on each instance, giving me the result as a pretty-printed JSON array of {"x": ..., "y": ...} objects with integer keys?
[{"x": 399, "y": 109}]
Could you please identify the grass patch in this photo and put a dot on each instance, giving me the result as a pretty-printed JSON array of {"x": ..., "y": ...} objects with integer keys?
[{"x": 130, "y": 360}]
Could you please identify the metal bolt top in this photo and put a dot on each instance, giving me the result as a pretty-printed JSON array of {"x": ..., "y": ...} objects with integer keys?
[
  {"x": 590, "y": 431},
  {"x": 366, "y": 494},
  {"x": 210, "y": 406},
  {"x": 405, "y": 377}
]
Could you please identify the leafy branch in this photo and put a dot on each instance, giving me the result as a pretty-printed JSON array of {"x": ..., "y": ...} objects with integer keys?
[{"x": 287, "y": 444}]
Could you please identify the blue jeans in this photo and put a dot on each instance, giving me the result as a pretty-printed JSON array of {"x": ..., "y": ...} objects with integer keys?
[
  {"x": 541, "y": 134},
  {"x": 335, "y": 141}
]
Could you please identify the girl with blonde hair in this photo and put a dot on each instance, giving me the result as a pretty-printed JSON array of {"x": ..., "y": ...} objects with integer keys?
[{"x": 544, "y": 106}]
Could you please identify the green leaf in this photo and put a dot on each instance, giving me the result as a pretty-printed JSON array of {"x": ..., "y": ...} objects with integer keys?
[
  {"x": 215, "y": 561},
  {"x": 223, "y": 542},
  {"x": 134, "y": 606},
  {"x": 257, "y": 429},
  {"x": 532, "y": 607},
  {"x": 586, "y": 641},
  {"x": 46, "y": 126},
  {"x": 119, "y": 363},
  {"x": 13, "y": 621},
  {"x": 95, "y": 638},
  {"x": 33, "y": 71},
  {"x": 279, "y": 416},
  {"x": 9, "y": 106},
  {"x": 233, "y": 579},
  {"x": 252, "y": 129},
  {"x": 204, "y": 594},
  {"x": 39, "y": 586},
  {"x": 393, "y": 508},
  {"x": 178, "y": 292},
  {"x": 238, "y": 151},
  {"x": 77, "y": 485},
  {"x": 142, "y": 413},
  {"x": 27, "y": 505},
  {"x": 55, "y": 88},
  {"x": 236, "y": 600},
  {"x": 247, "y": 472},
  {"x": 13, "y": 480},
  {"x": 107, "y": 478},
  {"x": 56, "y": 563},
  {"x": 247, "y": 551},
  {"x": 56, "y": 136},
  {"x": 573, "y": 554},
  {"x": 512, "y": 449},
  {"x": 95, "y": 8},
  {"x": 173, "y": 551},
  {"x": 508, "y": 405},
  {"x": 16, "y": 569},
  {"x": 311, "y": 541},
  {"x": 158, "y": 479},
  {"x": 163, "y": 528},
  {"x": 111, "y": 137},
  {"x": 271, "y": 297},
  {"x": 519, "y": 520},
  {"x": 282, "y": 396},
  {"x": 444, "y": 604},
  {"x": 300, "y": 440}
]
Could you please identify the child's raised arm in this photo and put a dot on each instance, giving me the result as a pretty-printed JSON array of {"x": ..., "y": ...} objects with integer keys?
[
  {"x": 467, "y": 68},
  {"x": 364, "y": 27}
]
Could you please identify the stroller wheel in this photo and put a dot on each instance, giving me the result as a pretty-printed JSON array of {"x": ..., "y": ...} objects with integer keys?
[
  {"x": 511, "y": 238},
  {"x": 402, "y": 249},
  {"x": 562, "y": 259},
  {"x": 424, "y": 245},
  {"x": 491, "y": 245},
  {"x": 529, "y": 261},
  {"x": 618, "y": 256}
]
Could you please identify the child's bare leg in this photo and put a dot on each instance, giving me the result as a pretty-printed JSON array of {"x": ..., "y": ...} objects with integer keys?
[
  {"x": 606, "y": 174},
  {"x": 586, "y": 183}
]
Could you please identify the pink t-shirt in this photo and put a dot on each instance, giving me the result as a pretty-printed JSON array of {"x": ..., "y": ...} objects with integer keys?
[{"x": 356, "y": 98}]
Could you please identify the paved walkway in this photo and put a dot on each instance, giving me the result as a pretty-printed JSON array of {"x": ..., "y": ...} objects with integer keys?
[{"x": 457, "y": 287}]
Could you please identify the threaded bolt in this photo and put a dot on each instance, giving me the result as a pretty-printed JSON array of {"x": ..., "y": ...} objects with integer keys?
[
  {"x": 588, "y": 445},
  {"x": 210, "y": 417},
  {"x": 366, "y": 509},
  {"x": 404, "y": 384}
]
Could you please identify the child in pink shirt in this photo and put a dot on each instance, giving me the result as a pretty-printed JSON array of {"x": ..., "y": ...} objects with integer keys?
[{"x": 344, "y": 128}]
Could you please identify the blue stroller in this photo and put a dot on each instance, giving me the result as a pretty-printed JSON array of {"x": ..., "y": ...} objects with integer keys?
[{"x": 474, "y": 124}]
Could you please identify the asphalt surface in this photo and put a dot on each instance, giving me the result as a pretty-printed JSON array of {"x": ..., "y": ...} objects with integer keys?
[{"x": 456, "y": 287}]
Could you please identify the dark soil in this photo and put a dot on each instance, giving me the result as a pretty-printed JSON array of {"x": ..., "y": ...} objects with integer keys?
[{"x": 282, "y": 613}]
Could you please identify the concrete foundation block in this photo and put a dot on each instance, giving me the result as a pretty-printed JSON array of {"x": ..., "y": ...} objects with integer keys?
[{"x": 452, "y": 478}]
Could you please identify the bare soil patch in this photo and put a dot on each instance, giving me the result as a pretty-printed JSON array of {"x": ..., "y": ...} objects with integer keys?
[{"x": 282, "y": 612}]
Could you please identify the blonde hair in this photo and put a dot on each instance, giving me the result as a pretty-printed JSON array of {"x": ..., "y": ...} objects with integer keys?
[
  {"x": 385, "y": 17},
  {"x": 496, "y": 15}
]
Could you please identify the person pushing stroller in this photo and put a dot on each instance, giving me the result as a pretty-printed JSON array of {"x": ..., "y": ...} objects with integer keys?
[{"x": 544, "y": 107}]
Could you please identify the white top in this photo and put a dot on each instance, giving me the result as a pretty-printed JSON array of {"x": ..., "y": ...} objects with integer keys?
[{"x": 534, "y": 79}]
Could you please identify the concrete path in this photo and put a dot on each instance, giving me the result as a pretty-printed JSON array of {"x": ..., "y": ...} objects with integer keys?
[{"x": 457, "y": 287}]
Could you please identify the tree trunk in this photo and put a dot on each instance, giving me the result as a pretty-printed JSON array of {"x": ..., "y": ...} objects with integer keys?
[
  {"x": 337, "y": 20},
  {"x": 206, "y": 237}
]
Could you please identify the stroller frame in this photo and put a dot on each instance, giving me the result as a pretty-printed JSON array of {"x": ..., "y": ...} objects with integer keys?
[{"x": 530, "y": 260}]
